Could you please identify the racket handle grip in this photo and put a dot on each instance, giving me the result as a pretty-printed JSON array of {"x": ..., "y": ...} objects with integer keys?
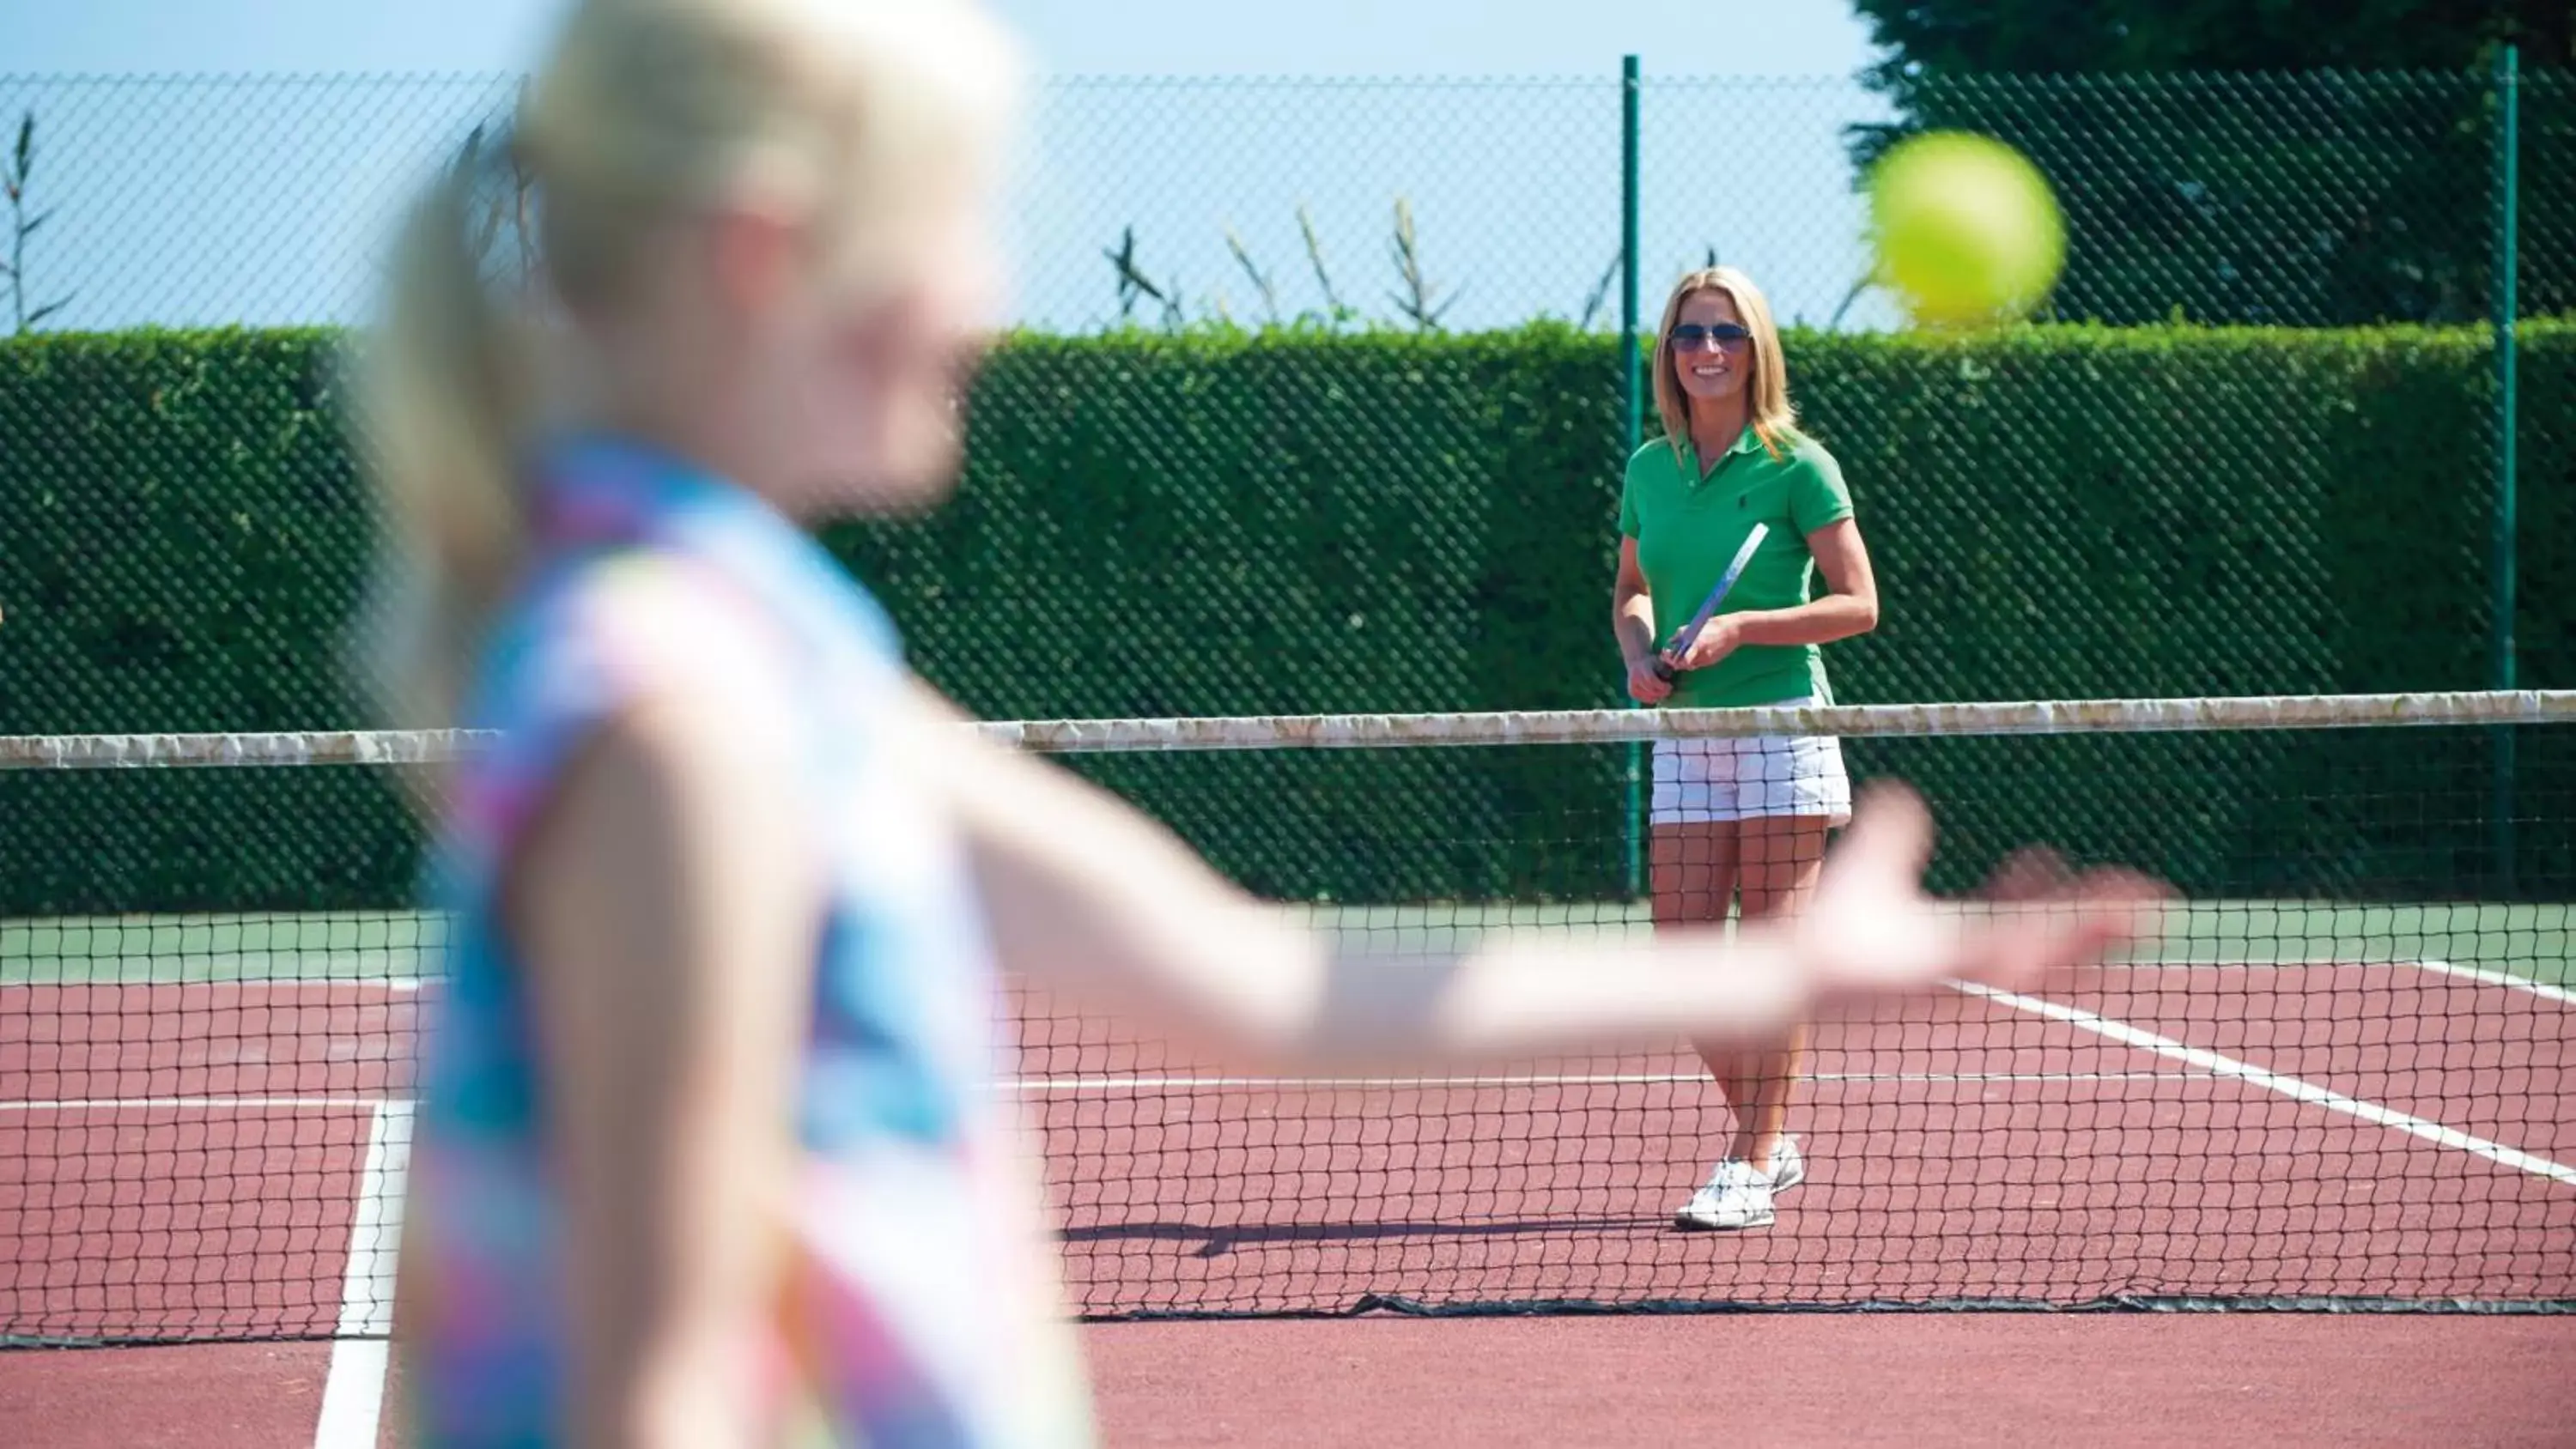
[{"x": 1665, "y": 671}]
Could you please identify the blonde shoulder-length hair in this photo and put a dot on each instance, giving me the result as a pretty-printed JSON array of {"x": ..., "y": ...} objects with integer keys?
[{"x": 1771, "y": 417}]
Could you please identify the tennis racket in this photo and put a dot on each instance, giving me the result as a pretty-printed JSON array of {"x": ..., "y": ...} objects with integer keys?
[{"x": 1708, "y": 608}]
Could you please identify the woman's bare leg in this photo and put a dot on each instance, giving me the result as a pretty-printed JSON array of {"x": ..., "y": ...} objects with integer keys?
[{"x": 1777, "y": 861}]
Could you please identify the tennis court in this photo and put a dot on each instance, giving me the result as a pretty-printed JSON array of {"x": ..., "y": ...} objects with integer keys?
[
  {"x": 203, "y": 1123},
  {"x": 1289, "y": 491},
  {"x": 2350, "y": 1099}
]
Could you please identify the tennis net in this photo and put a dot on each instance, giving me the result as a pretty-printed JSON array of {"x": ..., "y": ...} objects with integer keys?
[{"x": 2338, "y": 1079}]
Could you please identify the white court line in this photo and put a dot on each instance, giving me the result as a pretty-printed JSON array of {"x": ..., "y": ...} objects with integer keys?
[
  {"x": 2287, "y": 1086},
  {"x": 2541, "y": 989},
  {"x": 354, "y": 1392},
  {"x": 205, "y": 1104},
  {"x": 398, "y": 985},
  {"x": 412, "y": 985},
  {"x": 1080, "y": 1086},
  {"x": 2482, "y": 975},
  {"x": 1048, "y": 1086}
]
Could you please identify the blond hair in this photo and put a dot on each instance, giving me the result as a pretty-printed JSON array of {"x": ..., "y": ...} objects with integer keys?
[
  {"x": 1768, "y": 412},
  {"x": 863, "y": 115}
]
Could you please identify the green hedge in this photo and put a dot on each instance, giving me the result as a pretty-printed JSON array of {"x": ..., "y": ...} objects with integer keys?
[
  {"x": 1226, "y": 523},
  {"x": 182, "y": 535}
]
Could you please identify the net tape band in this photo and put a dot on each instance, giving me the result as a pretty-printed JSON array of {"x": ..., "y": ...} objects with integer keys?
[{"x": 1372, "y": 731}]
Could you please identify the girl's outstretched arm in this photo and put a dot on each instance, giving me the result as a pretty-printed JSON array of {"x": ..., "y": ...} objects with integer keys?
[{"x": 1086, "y": 894}]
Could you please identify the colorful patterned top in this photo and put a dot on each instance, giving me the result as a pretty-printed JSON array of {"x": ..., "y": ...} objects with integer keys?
[{"x": 919, "y": 1306}]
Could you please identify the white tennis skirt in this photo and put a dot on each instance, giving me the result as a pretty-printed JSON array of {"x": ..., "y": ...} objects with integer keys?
[{"x": 1737, "y": 779}]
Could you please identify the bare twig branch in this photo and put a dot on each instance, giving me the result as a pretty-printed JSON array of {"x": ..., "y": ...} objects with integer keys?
[
  {"x": 1261, "y": 282},
  {"x": 22, "y": 161}
]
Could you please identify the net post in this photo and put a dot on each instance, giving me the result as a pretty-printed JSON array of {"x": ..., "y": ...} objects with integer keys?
[
  {"x": 2508, "y": 181},
  {"x": 1632, "y": 393},
  {"x": 1631, "y": 402}
]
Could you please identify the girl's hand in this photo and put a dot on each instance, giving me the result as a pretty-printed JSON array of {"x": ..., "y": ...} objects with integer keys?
[{"x": 1871, "y": 931}]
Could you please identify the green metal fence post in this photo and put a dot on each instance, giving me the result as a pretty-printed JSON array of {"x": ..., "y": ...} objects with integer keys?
[
  {"x": 2508, "y": 184},
  {"x": 1631, "y": 407}
]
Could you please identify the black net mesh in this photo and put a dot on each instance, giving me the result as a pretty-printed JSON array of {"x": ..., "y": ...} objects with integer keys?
[{"x": 2337, "y": 1080}]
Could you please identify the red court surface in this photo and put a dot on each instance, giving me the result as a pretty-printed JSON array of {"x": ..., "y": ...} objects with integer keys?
[
  {"x": 188, "y": 1157},
  {"x": 195, "y": 1156},
  {"x": 2358, "y": 1131},
  {"x": 2286, "y": 1382},
  {"x": 2291, "y": 1381}
]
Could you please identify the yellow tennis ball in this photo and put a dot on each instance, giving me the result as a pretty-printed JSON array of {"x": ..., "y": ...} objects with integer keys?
[{"x": 1965, "y": 227}]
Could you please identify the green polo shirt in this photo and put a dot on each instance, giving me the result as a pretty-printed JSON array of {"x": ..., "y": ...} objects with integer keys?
[{"x": 1687, "y": 530}]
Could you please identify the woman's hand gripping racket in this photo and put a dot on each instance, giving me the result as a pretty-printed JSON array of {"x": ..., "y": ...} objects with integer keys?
[{"x": 1689, "y": 634}]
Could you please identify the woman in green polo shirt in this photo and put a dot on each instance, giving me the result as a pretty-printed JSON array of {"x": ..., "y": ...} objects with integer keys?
[{"x": 1741, "y": 819}]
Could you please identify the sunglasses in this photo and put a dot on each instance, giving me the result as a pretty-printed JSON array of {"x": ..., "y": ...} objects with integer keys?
[{"x": 1690, "y": 336}]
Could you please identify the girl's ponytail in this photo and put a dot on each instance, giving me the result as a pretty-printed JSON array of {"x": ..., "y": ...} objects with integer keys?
[{"x": 449, "y": 398}]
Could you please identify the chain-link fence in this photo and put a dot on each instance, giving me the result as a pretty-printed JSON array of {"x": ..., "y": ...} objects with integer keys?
[
  {"x": 1318, "y": 405},
  {"x": 1317, "y": 401},
  {"x": 2318, "y": 199}
]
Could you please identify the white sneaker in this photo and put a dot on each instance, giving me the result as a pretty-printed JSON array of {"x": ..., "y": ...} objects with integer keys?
[
  {"x": 1788, "y": 1165},
  {"x": 1737, "y": 1195}
]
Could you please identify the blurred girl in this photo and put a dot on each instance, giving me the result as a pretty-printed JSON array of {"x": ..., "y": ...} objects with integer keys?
[{"x": 707, "y": 1153}]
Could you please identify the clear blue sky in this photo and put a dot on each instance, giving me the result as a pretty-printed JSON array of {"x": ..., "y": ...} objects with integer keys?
[
  {"x": 1335, "y": 37},
  {"x": 189, "y": 201}
]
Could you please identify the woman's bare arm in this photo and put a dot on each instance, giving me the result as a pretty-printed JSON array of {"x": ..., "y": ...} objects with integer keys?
[
  {"x": 1632, "y": 620},
  {"x": 1632, "y": 607},
  {"x": 1848, "y": 609}
]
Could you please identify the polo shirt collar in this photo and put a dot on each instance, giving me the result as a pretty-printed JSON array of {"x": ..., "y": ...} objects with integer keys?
[{"x": 1745, "y": 442}]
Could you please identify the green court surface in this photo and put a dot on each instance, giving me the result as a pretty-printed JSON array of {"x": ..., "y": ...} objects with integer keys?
[
  {"x": 161, "y": 950},
  {"x": 2530, "y": 941}
]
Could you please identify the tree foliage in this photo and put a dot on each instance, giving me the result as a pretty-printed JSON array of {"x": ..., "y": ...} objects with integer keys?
[{"x": 2312, "y": 164}]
